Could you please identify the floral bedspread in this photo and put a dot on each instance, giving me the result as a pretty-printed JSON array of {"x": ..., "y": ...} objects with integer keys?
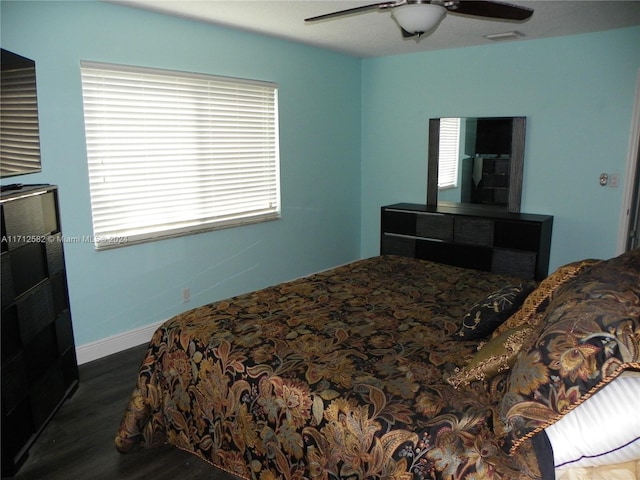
[{"x": 336, "y": 375}]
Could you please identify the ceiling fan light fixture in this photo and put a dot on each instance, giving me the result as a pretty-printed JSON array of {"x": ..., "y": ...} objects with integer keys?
[{"x": 418, "y": 17}]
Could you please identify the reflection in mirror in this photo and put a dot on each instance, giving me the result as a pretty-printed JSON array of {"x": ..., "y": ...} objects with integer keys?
[
  {"x": 19, "y": 129},
  {"x": 476, "y": 160}
]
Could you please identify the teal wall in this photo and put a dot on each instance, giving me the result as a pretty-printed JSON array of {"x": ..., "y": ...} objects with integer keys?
[
  {"x": 119, "y": 290},
  {"x": 577, "y": 94},
  {"x": 353, "y": 138}
]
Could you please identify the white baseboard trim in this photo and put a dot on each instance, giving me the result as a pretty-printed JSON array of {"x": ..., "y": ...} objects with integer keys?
[{"x": 116, "y": 343}]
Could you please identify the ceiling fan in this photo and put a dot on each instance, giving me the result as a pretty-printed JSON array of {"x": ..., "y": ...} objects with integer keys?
[{"x": 416, "y": 17}]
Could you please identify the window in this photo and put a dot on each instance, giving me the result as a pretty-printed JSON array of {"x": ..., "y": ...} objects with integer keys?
[
  {"x": 172, "y": 153},
  {"x": 449, "y": 153}
]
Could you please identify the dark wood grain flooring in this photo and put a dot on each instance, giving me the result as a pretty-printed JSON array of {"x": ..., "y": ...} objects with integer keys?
[{"x": 79, "y": 441}]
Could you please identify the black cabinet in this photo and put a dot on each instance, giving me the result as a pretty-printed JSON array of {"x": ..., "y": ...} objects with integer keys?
[
  {"x": 469, "y": 236},
  {"x": 39, "y": 367}
]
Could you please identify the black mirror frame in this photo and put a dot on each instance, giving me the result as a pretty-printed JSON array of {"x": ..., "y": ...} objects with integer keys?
[{"x": 515, "y": 172}]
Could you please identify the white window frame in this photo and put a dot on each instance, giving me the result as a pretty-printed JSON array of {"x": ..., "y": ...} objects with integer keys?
[
  {"x": 172, "y": 153},
  {"x": 449, "y": 153}
]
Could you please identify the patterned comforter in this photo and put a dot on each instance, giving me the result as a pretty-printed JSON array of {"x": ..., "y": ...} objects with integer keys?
[{"x": 336, "y": 375}]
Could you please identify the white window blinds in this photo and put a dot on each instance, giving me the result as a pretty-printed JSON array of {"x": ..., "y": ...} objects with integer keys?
[
  {"x": 171, "y": 153},
  {"x": 449, "y": 152}
]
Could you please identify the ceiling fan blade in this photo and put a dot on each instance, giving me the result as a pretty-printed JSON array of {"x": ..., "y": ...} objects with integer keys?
[
  {"x": 349, "y": 11},
  {"x": 500, "y": 10}
]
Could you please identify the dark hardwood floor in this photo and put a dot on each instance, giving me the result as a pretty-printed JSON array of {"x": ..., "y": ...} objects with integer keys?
[{"x": 79, "y": 441}]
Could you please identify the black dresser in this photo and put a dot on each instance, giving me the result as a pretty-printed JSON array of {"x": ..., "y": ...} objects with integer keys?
[
  {"x": 39, "y": 367},
  {"x": 470, "y": 236}
]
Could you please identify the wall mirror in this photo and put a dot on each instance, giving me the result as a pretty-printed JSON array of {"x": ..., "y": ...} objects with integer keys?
[
  {"x": 479, "y": 161},
  {"x": 19, "y": 129}
]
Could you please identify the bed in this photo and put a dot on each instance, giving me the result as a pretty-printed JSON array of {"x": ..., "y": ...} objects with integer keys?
[{"x": 388, "y": 367}]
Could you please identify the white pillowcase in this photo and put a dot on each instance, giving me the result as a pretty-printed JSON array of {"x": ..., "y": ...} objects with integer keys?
[
  {"x": 603, "y": 430},
  {"x": 619, "y": 471}
]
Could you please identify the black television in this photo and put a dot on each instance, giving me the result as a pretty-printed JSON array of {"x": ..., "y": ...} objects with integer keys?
[
  {"x": 493, "y": 136},
  {"x": 19, "y": 128}
]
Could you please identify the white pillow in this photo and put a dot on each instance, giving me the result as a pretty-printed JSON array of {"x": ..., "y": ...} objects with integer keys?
[
  {"x": 619, "y": 471},
  {"x": 603, "y": 430}
]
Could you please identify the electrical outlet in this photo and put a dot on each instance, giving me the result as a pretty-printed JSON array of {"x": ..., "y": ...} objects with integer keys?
[{"x": 186, "y": 295}]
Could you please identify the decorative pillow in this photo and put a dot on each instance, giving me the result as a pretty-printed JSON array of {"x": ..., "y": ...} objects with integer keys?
[
  {"x": 577, "y": 438},
  {"x": 493, "y": 357},
  {"x": 538, "y": 300},
  {"x": 487, "y": 314},
  {"x": 589, "y": 335}
]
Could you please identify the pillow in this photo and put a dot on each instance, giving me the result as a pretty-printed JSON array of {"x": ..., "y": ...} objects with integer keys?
[
  {"x": 619, "y": 471},
  {"x": 493, "y": 357},
  {"x": 577, "y": 438},
  {"x": 588, "y": 337},
  {"x": 487, "y": 314},
  {"x": 538, "y": 300}
]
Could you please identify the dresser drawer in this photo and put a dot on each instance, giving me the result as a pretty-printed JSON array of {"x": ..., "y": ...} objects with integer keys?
[
  {"x": 10, "y": 338},
  {"x": 46, "y": 393},
  {"x": 6, "y": 281},
  {"x": 36, "y": 311},
  {"x": 466, "y": 256},
  {"x": 403, "y": 223},
  {"x": 15, "y": 386},
  {"x": 55, "y": 254},
  {"x": 393, "y": 244},
  {"x": 28, "y": 218},
  {"x": 473, "y": 231},
  {"x": 518, "y": 235},
  {"x": 514, "y": 262},
  {"x": 438, "y": 227}
]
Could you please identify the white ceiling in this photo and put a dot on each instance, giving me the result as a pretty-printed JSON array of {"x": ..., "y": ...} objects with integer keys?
[{"x": 375, "y": 33}]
